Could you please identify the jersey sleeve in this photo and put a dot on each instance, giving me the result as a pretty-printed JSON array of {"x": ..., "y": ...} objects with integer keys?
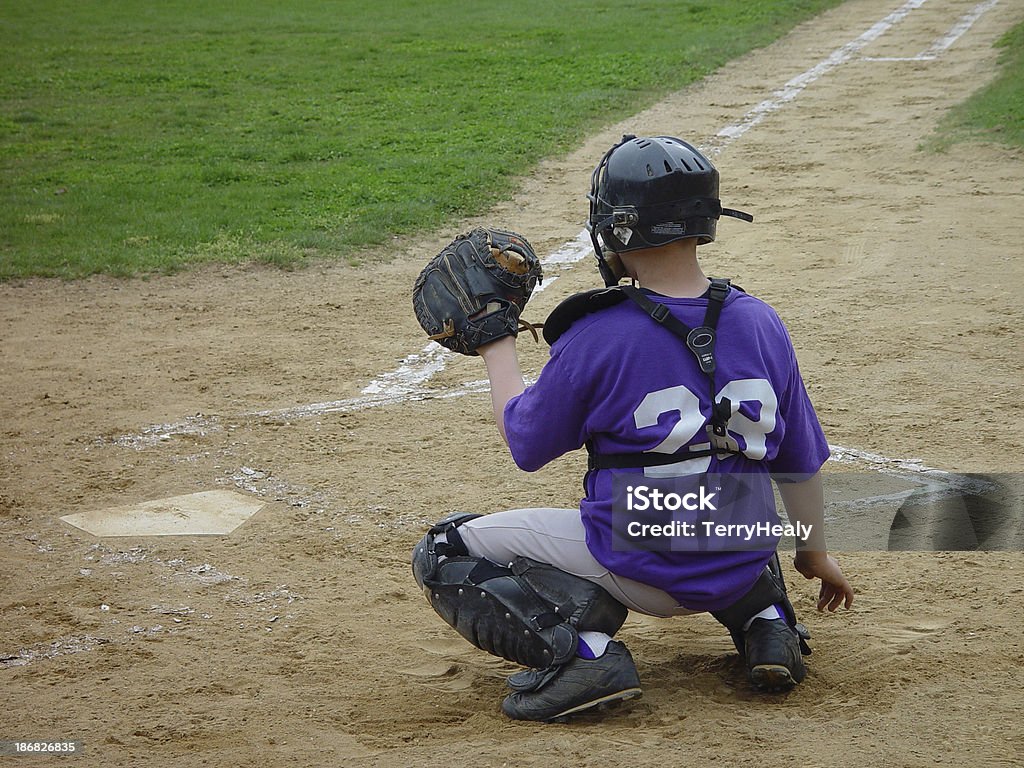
[
  {"x": 547, "y": 420},
  {"x": 803, "y": 448}
]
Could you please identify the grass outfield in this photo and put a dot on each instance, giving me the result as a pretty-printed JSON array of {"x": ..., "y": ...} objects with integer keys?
[
  {"x": 996, "y": 112},
  {"x": 140, "y": 137}
]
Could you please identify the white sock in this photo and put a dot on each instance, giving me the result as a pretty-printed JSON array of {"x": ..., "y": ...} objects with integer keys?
[
  {"x": 441, "y": 538},
  {"x": 771, "y": 612},
  {"x": 592, "y": 644}
]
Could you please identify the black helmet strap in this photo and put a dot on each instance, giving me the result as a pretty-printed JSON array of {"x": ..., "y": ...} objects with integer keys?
[
  {"x": 595, "y": 228},
  {"x": 607, "y": 273},
  {"x": 737, "y": 214}
]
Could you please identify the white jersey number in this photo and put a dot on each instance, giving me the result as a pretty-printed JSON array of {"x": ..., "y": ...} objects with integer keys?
[{"x": 686, "y": 404}]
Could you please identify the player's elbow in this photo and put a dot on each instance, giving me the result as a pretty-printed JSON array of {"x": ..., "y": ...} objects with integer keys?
[
  {"x": 526, "y": 465},
  {"x": 523, "y": 459}
]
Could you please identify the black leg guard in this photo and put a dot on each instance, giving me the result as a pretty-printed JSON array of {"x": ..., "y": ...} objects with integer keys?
[
  {"x": 528, "y": 612},
  {"x": 768, "y": 590}
]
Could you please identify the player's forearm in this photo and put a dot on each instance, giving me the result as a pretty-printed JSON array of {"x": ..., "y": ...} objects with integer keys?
[
  {"x": 805, "y": 504},
  {"x": 505, "y": 375}
]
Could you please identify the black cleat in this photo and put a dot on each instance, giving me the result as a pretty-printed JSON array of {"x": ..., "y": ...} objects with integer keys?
[
  {"x": 773, "y": 658},
  {"x": 578, "y": 685}
]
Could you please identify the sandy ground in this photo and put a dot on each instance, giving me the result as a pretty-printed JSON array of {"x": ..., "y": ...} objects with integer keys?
[{"x": 300, "y": 639}]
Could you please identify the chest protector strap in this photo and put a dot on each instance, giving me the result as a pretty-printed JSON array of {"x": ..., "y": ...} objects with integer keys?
[{"x": 701, "y": 342}]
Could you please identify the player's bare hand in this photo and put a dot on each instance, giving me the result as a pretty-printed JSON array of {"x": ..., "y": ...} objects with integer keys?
[{"x": 835, "y": 589}]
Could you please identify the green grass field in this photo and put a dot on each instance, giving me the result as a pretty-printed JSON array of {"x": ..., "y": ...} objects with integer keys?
[
  {"x": 141, "y": 137},
  {"x": 138, "y": 137},
  {"x": 996, "y": 112}
]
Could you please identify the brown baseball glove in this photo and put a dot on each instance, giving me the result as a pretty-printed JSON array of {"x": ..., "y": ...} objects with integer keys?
[{"x": 474, "y": 290}]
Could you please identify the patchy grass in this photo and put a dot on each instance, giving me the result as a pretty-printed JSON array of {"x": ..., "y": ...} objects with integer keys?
[{"x": 996, "y": 112}]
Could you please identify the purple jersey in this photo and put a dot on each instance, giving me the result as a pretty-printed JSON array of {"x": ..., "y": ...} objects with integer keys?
[{"x": 626, "y": 384}]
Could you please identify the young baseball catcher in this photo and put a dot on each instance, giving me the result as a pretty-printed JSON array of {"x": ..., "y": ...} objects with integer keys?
[{"x": 684, "y": 391}]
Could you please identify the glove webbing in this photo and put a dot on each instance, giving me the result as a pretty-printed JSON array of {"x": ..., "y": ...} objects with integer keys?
[{"x": 448, "y": 329}]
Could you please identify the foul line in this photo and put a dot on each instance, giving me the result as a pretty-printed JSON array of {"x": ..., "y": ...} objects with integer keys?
[
  {"x": 945, "y": 42},
  {"x": 796, "y": 86}
]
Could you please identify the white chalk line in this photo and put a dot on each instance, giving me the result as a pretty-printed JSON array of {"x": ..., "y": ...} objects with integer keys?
[
  {"x": 930, "y": 482},
  {"x": 413, "y": 371},
  {"x": 350, "y": 405},
  {"x": 945, "y": 42},
  {"x": 201, "y": 425},
  {"x": 794, "y": 87},
  {"x": 406, "y": 382}
]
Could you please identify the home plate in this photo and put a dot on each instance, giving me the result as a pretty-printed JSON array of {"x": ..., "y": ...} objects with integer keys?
[{"x": 208, "y": 513}]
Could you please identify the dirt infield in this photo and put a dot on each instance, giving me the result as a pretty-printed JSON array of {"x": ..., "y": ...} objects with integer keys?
[{"x": 300, "y": 639}]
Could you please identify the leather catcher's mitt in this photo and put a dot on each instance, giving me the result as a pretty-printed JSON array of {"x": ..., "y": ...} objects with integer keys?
[{"x": 472, "y": 292}]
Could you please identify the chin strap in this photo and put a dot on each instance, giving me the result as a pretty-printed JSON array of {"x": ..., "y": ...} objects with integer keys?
[{"x": 596, "y": 227}]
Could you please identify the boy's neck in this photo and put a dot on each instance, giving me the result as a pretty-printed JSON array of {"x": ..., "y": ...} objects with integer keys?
[{"x": 671, "y": 270}]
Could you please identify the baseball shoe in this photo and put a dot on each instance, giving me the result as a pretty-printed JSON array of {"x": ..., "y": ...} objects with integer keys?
[
  {"x": 773, "y": 658},
  {"x": 578, "y": 685}
]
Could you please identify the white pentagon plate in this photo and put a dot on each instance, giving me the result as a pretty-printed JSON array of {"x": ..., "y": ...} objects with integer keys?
[{"x": 207, "y": 513}]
